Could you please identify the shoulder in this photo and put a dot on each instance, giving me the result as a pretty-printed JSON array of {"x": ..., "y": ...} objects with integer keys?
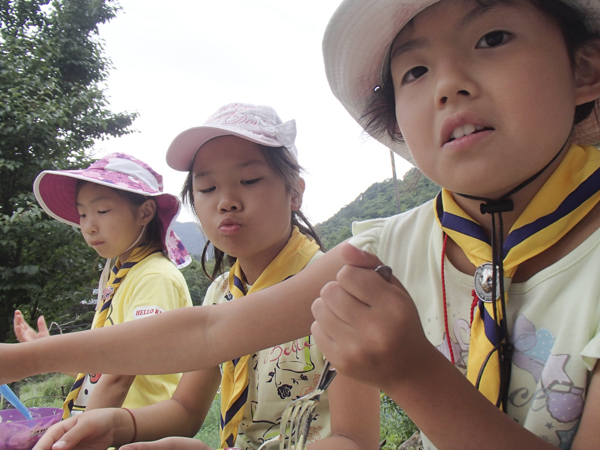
[
  {"x": 218, "y": 291},
  {"x": 377, "y": 235}
]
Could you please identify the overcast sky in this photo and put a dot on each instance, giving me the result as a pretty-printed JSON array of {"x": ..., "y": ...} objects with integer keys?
[{"x": 177, "y": 62}]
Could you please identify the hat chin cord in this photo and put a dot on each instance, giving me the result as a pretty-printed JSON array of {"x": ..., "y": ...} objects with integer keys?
[
  {"x": 137, "y": 240},
  {"x": 495, "y": 208}
]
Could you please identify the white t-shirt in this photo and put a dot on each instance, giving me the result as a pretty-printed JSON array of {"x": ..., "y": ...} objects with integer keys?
[
  {"x": 278, "y": 375},
  {"x": 553, "y": 318}
]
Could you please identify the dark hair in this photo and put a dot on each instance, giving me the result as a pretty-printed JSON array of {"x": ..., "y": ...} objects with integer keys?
[
  {"x": 288, "y": 169},
  {"x": 136, "y": 200},
  {"x": 380, "y": 112}
]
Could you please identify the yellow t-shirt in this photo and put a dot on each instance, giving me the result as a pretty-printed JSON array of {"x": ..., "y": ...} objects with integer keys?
[{"x": 151, "y": 287}]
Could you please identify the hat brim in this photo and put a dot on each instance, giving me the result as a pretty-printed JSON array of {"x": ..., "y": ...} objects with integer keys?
[
  {"x": 183, "y": 149},
  {"x": 56, "y": 191}
]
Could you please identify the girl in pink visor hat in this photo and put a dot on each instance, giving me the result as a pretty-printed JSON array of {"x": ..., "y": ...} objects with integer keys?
[{"x": 119, "y": 204}]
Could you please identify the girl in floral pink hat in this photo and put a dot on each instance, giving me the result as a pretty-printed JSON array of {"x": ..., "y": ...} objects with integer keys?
[{"x": 119, "y": 205}]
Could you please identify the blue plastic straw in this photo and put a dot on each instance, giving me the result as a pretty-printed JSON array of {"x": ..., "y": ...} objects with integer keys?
[{"x": 9, "y": 395}]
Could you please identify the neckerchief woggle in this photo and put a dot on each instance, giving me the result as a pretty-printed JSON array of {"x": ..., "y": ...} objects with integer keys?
[
  {"x": 235, "y": 379},
  {"x": 568, "y": 195},
  {"x": 117, "y": 274}
]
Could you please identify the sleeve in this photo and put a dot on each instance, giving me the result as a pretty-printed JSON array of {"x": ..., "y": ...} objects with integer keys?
[
  {"x": 591, "y": 352},
  {"x": 367, "y": 234},
  {"x": 154, "y": 294},
  {"x": 217, "y": 291}
]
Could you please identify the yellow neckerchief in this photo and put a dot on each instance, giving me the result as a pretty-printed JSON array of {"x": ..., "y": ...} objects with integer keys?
[
  {"x": 563, "y": 201},
  {"x": 234, "y": 384},
  {"x": 118, "y": 273}
]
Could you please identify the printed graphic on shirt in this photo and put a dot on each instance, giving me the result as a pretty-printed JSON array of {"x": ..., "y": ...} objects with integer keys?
[
  {"x": 83, "y": 398},
  {"x": 146, "y": 311},
  {"x": 554, "y": 392}
]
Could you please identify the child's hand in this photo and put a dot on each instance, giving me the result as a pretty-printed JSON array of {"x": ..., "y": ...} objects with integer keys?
[
  {"x": 25, "y": 333},
  {"x": 368, "y": 328},
  {"x": 93, "y": 430},
  {"x": 171, "y": 443}
]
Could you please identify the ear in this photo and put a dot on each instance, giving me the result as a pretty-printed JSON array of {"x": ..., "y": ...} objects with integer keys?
[
  {"x": 298, "y": 194},
  {"x": 146, "y": 211},
  {"x": 587, "y": 73}
]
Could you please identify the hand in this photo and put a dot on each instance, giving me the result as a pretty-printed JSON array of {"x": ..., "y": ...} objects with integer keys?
[
  {"x": 171, "y": 443},
  {"x": 93, "y": 430},
  {"x": 368, "y": 328},
  {"x": 25, "y": 333}
]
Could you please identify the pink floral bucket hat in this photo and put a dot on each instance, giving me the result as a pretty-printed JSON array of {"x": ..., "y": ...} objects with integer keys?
[{"x": 55, "y": 190}]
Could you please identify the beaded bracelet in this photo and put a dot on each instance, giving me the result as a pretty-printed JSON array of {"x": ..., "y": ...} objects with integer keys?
[{"x": 134, "y": 424}]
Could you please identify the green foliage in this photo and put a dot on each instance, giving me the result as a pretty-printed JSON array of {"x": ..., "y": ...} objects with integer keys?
[
  {"x": 197, "y": 280},
  {"x": 52, "y": 110},
  {"x": 209, "y": 433},
  {"x": 376, "y": 202},
  {"x": 396, "y": 427},
  {"x": 46, "y": 390}
]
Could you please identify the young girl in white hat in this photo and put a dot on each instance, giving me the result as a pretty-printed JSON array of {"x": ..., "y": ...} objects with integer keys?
[
  {"x": 488, "y": 334},
  {"x": 119, "y": 205},
  {"x": 245, "y": 188}
]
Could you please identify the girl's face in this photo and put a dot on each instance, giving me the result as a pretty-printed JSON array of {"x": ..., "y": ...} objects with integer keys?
[
  {"x": 243, "y": 205},
  {"x": 109, "y": 223},
  {"x": 485, "y": 96}
]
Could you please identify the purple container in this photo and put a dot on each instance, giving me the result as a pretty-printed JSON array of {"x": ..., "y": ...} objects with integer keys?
[{"x": 19, "y": 434}]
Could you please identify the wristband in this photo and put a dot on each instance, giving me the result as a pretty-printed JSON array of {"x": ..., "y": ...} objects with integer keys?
[{"x": 134, "y": 424}]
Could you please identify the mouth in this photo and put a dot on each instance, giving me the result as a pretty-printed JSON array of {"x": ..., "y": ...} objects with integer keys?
[
  {"x": 228, "y": 226},
  {"x": 466, "y": 130}
]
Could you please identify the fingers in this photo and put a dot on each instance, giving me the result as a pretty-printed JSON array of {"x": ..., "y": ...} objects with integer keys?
[
  {"x": 23, "y": 331},
  {"x": 42, "y": 328},
  {"x": 54, "y": 437}
]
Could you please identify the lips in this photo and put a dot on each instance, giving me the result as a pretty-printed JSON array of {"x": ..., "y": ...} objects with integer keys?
[
  {"x": 461, "y": 125},
  {"x": 228, "y": 226}
]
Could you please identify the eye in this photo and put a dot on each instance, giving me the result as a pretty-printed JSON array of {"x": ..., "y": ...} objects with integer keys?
[
  {"x": 82, "y": 216},
  {"x": 207, "y": 190},
  {"x": 104, "y": 211},
  {"x": 414, "y": 73},
  {"x": 494, "y": 39},
  {"x": 253, "y": 181}
]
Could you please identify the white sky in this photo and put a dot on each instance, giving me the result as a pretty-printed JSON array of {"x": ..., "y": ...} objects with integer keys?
[{"x": 177, "y": 62}]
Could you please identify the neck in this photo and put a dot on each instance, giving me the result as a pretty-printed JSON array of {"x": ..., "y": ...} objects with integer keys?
[
  {"x": 520, "y": 200},
  {"x": 253, "y": 266}
]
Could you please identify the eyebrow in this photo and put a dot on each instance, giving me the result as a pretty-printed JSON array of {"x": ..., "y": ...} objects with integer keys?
[
  {"x": 252, "y": 162},
  {"x": 415, "y": 44},
  {"x": 95, "y": 200}
]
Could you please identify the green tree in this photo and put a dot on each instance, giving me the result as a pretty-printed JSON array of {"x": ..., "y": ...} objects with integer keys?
[{"x": 52, "y": 110}]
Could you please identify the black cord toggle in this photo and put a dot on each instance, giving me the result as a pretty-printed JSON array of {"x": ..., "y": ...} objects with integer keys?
[{"x": 497, "y": 206}]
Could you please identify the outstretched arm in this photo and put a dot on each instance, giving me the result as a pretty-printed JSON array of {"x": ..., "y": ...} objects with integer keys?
[{"x": 183, "y": 340}]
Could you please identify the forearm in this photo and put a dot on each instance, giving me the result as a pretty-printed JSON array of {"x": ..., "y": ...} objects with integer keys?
[
  {"x": 448, "y": 409},
  {"x": 203, "y": 334},
  {"x": 354, "y": 415},
  {"x": 110, "y": 392},
  {"x": 163, "y": 419}
]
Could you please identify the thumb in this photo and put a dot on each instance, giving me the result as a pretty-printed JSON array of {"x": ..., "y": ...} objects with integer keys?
[
  {"x": 357, "y": 257},
  {"x": 42, "y": 327}
]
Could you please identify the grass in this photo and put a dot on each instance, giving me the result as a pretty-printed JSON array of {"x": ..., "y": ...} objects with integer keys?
[{"x": 48, "y": 391}]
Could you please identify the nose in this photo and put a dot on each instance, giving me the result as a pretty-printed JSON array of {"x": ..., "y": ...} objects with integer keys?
[
  {"x": 454, "y": 83},
  {"x": 229, "y": 202},
  {"x": 88, "y": 226}
]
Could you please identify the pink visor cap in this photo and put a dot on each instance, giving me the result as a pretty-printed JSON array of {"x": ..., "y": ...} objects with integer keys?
[
  {"x": 255, "y": 123},
  {"x": 55, "y": 190}
]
